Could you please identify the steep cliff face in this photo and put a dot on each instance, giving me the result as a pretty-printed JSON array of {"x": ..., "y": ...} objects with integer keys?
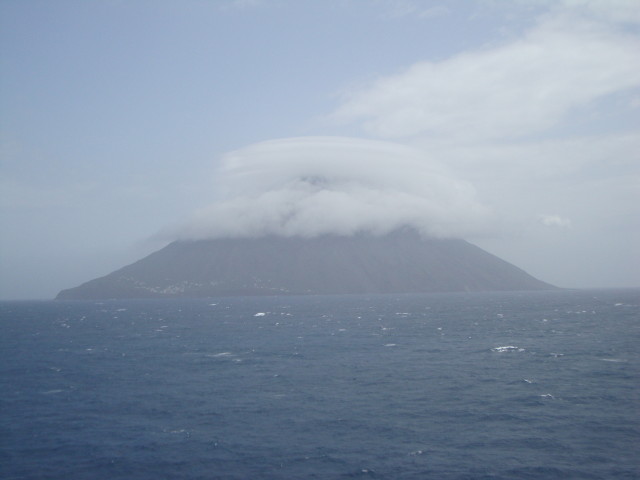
[{"x": 401, "y": 262}]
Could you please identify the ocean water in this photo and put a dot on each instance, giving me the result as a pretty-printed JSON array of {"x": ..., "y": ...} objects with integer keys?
[{"x": 538, "y": 385}]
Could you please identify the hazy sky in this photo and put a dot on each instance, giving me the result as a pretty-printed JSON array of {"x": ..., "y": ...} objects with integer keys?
[{"x": 126, "y": 124}]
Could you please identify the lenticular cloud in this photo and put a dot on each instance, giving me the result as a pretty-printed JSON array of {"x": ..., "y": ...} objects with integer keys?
[{"x": 312, "y": 186}]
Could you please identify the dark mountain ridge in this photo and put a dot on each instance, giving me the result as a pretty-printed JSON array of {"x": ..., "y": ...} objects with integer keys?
[{"x": 400, "y": 262}]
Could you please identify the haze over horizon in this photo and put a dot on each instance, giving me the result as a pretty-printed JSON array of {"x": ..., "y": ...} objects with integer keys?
[{"x": 125, "y": 125}]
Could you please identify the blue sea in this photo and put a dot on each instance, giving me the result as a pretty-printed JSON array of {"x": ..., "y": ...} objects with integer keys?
[{"x": 542, "y": 385}]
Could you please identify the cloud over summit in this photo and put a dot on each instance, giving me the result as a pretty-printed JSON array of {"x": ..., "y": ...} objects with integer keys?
[{"x": 311, "y": 186}]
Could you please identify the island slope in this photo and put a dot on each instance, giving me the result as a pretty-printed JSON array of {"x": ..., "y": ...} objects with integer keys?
[{"x": 400, "y": 262}]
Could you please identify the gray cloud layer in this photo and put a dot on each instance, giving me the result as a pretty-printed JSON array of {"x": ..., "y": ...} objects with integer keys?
[{"x": 311, "y": 186}]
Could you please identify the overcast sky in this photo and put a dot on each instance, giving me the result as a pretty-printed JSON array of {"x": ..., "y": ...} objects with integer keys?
[{"x": 126, "y": 124}]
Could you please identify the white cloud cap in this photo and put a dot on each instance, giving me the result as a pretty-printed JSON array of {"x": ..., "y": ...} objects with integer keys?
[{"x": 310, "y": 186}]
